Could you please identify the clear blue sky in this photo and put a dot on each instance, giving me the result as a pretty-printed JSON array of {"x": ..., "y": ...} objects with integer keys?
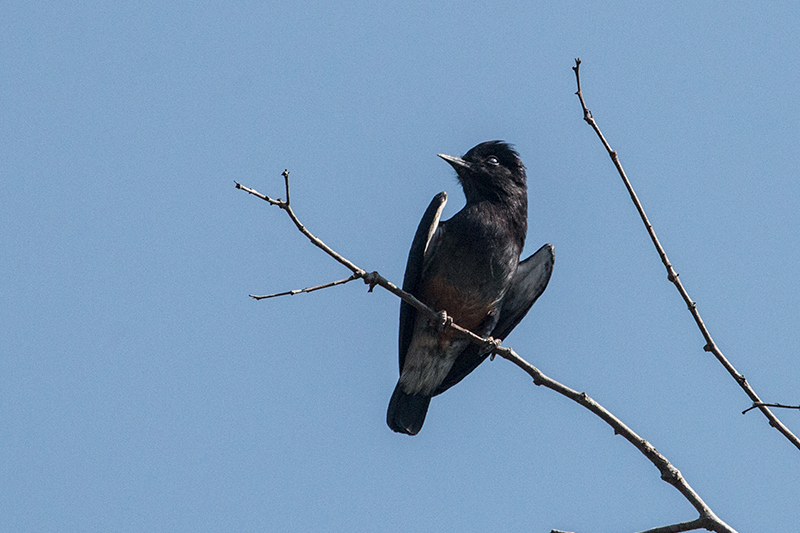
[{"x": 142, "y": 390}]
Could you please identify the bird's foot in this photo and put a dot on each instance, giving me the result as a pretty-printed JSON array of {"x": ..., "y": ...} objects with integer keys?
[{"x": 443, "y": 320}]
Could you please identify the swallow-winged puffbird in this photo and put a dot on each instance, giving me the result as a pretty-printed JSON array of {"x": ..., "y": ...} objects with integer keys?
[{"x": 467, "y": 266}]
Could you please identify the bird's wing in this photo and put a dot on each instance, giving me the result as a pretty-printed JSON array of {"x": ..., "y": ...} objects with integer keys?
[
  {"x": 414, "y": 268},
  {"x": 528, "y": 283}
]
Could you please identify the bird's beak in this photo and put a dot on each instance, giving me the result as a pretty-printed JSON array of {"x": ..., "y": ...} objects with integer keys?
[{"x": 456, "y": 162}]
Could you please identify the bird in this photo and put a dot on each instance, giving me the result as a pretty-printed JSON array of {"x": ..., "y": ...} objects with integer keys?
[{"x": 468, "y": 268}]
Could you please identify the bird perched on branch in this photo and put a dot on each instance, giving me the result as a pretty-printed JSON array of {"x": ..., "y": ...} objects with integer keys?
[{"x": 467, "y": 267}]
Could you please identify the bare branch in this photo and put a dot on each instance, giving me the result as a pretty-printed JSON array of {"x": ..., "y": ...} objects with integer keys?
[
  {"x": 307, "y": 289},
  {"x": 277, "y": 202},
  {"x": 669, "y": 473},
  {"x": 756, "y": 405},
  {"x": 672, "y": 276},
  {"x": 315, "y": 240}
]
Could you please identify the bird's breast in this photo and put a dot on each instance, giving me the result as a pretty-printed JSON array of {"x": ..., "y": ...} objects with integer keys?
[{"x": 468, "y": 302}]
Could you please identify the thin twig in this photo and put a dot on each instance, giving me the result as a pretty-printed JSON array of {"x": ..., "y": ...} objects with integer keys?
[
  {"x": 669, "y": 473},
  {"x": 672, "y": 276},
  {"x": 280, "y": 203},
  {"x": 315, "y": 240},
  {"x": 285, "y": 175},
  {"x": 700, "y": 523},
  {"x": 779, "y": 405},
  {"x": 307, "y": 289}
]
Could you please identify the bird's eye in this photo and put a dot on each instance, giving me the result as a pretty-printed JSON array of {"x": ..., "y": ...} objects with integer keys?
[{"x": 493, "y": 161}]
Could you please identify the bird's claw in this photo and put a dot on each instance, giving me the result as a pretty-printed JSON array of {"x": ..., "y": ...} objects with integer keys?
[{"x": 443, "y": 320}]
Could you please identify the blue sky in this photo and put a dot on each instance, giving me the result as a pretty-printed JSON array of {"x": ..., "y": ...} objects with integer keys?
[{"x": 142, "y": 390}]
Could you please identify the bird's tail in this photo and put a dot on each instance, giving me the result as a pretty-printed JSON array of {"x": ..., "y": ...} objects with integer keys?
[{"x": 407, "y": 411}]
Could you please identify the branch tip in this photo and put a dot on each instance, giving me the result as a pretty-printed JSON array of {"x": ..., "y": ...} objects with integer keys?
[{"x": 285, "y": 175}]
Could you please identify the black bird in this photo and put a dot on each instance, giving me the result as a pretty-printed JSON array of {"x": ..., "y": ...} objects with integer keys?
[{"x": 469, "y": 267}]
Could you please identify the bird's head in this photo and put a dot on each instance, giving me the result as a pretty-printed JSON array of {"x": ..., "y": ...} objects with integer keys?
[{"x": 490, "y": 170}]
